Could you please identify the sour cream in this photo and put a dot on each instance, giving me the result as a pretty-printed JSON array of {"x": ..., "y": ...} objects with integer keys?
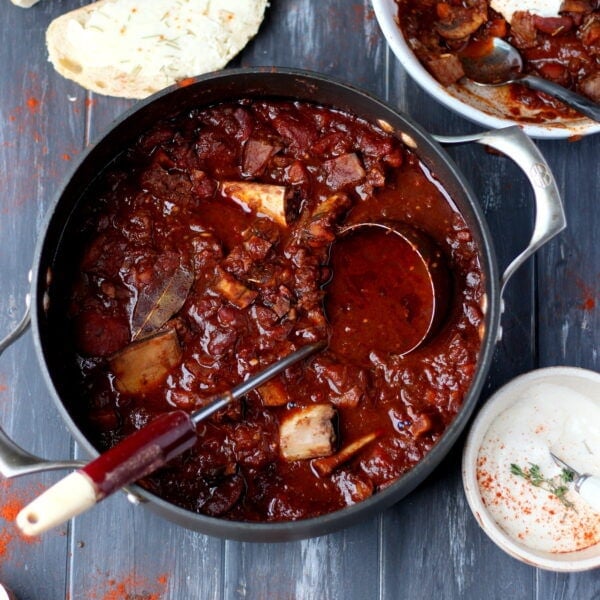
[
  {"x": 543, "y": 8},
  {"x": 543, "y": 417}
]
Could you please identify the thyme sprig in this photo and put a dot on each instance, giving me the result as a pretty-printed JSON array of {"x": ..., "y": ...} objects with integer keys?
[{"x": 556, "y": 485}]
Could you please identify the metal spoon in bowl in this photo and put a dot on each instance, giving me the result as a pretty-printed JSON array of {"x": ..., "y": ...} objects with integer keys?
[{"x": 499, "y": 63}]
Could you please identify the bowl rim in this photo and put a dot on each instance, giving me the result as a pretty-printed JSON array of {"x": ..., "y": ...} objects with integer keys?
[
  {"x": 388, "y": 24},
  {"x": 500, "y": 400}
]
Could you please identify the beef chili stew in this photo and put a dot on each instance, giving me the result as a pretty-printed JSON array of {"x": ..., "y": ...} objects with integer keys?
[
  {"x": 205, "y": 254},
  {"x": 563, "y": 47}
]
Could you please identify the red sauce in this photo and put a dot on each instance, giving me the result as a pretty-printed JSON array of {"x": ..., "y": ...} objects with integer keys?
[
  {"x": 223, "y": 286},
  {"x": 381, "y": 297}
]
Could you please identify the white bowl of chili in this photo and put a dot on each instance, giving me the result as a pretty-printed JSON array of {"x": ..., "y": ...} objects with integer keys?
[
  {"x": 524, "y": 501},
  {"x": 540, "y": 117}
]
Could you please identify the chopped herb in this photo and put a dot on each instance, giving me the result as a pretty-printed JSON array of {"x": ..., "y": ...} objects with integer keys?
[{"x": 556, "y": 485}]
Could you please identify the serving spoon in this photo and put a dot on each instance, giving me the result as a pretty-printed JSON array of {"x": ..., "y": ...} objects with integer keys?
[
  {"x": 498, "y": 63},
  {"x": 585, "y": 484}
]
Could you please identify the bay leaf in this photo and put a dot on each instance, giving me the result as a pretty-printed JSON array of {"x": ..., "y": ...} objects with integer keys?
[{"x": 157, "y": 303}]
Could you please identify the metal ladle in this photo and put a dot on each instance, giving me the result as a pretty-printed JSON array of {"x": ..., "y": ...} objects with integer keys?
[
  {"x": 170, "y": 434},
  {"x": 388, "y": 292},
  {"x": 499, "y": 63}
]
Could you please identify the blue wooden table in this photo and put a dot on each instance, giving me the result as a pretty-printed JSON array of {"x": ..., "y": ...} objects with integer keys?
[{"x": 428, "y": 545}]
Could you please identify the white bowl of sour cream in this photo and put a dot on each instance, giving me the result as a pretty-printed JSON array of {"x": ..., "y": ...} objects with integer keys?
[{"x": 519, "y": 496}]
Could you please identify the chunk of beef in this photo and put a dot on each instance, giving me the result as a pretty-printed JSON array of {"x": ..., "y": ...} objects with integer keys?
[
  {"x": 202, "y": 185},
  {"x": 553, "y": 25},
  {"x": 343, "y": 171},
  {"x": 590, "y": 86},
  {"x": 524, "y": 33},
  {"x": 318, "y": 230},
  {"x": 104, "y": 255},
  {"x": 233, "y": 290},
  {"x": 257, "y": 247},
  {"x": 589, "y": 33},
  {"x": 335, "y": 143},
  {"x": 257, "y": 154},
  {"x": 347, "y": 383},
  {"x": 298, "y": 133},
  {"x": 153, "y": 138},
  {"x": 99, "y": 333},
  {"x": 353, "y": 487},
  {"x": 446, "y": 68},
  {"x": 166, "y": 184},
  {"x": 307, "y": 432},
  {"x": 224, "y": 496},
  {"x": 218, "y": 154},
  {"x": 273, "y": 393}
]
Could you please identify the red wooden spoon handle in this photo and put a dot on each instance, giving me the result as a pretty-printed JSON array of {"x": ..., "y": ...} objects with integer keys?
[
  {"x": 141, "y": 453},
  {"x": 135, "y": 457}
]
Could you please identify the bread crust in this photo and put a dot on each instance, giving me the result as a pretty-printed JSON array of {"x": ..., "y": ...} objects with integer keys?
[
  {"x": 125, "y": 48},
  {"x": 24, "y": 3}
]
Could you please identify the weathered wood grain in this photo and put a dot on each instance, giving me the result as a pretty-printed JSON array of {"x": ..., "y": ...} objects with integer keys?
[
  {"x": 40, "y": 132},
  {"x": 428, "y": 545}
]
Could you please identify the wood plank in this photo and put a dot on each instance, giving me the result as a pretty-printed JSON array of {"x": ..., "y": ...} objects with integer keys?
[
  {"x": 568, "y": 295},
  {"x": 434, "y": 548},
  {"x": 325, "y": 37},
  {"x": 130, "y": 550},
  {"x": 333, "y": 567},
  {"x": 569, "y": 271},
  {"x": 127, "y": 551},
  {"x": 41, "y": 131},
  {"x": 449, "y": 555}
]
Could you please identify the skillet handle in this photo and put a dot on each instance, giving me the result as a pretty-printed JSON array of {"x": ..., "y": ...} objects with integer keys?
[
  {"x": 14, "y": 461},
  {"x": 20, "y": 329},
  {"x": 549, "y": 215}
]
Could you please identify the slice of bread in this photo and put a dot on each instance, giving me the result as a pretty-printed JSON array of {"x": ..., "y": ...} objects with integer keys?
[
  {"x": 24, "y": 3},
  {"x": 133, "y": 48}
]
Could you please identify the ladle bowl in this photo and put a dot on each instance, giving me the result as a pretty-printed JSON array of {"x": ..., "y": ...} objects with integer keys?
[{"x": 389, "y": 286}]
